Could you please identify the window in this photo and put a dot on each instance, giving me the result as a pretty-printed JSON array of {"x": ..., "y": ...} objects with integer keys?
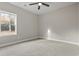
[{"x": 7, "y": 23}]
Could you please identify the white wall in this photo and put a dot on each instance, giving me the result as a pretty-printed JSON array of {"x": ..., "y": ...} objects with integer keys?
[
  {"x": 78, "y": 15},
  {"x": 27, "y": 24},
  {"x": 61, "y": 24}
]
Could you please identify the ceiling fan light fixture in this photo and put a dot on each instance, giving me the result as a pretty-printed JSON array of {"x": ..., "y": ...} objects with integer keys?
[{"x": 39, "y": 4}]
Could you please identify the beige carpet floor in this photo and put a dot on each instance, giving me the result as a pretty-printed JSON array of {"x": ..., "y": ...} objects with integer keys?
[{"x": 40, "y": 47}]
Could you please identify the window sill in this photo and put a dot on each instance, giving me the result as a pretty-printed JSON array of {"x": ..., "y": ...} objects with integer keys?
[{"x": 7, "y": 33}]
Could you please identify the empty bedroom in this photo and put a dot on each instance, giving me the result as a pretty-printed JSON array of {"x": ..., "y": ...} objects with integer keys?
[{"x": 39, "y": 28}]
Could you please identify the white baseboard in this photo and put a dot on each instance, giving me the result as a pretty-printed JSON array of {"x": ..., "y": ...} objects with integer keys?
[
  {"x": 18, "y": 41},
  {"x": 29, "y": 39},
  {"x": 64, "y": 41}
]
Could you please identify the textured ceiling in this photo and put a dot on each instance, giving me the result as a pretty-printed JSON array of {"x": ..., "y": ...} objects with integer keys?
[{"x": 43, "y": 9}]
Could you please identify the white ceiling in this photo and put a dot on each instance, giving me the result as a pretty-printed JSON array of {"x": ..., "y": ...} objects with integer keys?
[{"x": 43, "y": 9}]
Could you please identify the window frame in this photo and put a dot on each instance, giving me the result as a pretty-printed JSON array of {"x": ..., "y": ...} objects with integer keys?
[{"x": 15, "y": 23}]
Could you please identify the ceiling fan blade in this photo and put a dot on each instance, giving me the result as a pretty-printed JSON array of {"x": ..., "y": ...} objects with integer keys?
[
  {"x": 38, "y": 7},
  {"x": 45, "y": 4},
  {"x": 33, "y": 3}
]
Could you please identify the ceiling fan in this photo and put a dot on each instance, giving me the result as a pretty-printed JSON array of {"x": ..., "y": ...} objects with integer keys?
[{"x": 39, "y": 4}]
